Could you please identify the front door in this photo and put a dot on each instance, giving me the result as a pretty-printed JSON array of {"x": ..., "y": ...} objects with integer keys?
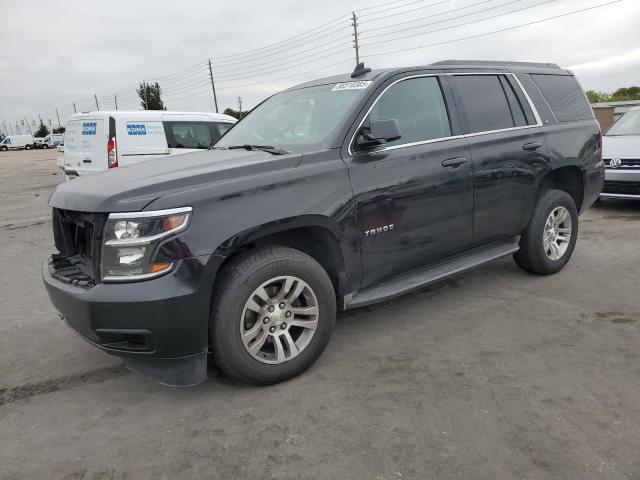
[{"x": 413, "y": 196}]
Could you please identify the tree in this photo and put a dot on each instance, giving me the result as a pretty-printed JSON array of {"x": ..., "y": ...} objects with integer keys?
[
  {"x": 42, "y": 131},
  {"x": 233, "y": 113},
  {"x": 59, "y": 130},
  {"x": 150, "y": 96},
  {"x": 620, "y": 95}
]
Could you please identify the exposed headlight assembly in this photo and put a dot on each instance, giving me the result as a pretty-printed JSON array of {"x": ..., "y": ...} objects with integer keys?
[{"x": 130, "y": 240}]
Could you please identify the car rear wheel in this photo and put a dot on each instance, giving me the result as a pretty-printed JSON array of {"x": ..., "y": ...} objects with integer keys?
[
  {"x": 548, "y": 241},
  {"x": 272, "y": 316}
]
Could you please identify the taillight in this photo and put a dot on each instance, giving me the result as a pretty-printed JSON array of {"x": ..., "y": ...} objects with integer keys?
[{"x": 112, "y": 155}]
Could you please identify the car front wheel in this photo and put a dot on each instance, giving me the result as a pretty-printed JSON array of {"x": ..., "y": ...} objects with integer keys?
[{"x": 272, "y": 315}]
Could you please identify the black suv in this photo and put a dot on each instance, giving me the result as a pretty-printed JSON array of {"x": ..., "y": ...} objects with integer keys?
[{"x": 331, "y": 195}]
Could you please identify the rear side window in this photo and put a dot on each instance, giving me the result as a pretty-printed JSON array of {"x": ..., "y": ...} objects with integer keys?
[
  {"x": 192, "y": 135},
  {"x": 485, "y": 103},
  {"x": 418, "y": 106},
  {"x": 564, "y": 96}
]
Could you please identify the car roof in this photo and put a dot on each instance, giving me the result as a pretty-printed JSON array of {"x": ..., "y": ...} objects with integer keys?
[{"x": 445, "y": 65}]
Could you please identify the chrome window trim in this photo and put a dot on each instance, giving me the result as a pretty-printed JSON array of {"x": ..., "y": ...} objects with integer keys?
[{"x": 536, "y": 115}]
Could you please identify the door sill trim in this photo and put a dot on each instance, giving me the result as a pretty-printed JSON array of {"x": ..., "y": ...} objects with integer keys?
[{"x": 429, "y": 274}]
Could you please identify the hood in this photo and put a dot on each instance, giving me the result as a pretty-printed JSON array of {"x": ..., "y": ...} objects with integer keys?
[
  {"x": 624, "y": 146},
  {"x": 131, "y": 188}
]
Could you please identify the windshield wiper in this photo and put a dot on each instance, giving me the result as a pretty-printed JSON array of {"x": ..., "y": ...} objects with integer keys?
[{"x": 264, "y": 148}]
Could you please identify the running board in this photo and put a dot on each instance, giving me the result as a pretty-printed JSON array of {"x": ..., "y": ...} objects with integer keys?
[{"x": 431, "y": 274}]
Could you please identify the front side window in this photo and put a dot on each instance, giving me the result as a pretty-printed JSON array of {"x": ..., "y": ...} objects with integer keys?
[
  {"x": 484, "y": 102},
  {"x": 193, "y": 135},
  {"x": 418, "y": 106},
  {"x": 296, "y": 120},
  {"x": 223, "y": 127},
  {"x": 628, "y": 124}
]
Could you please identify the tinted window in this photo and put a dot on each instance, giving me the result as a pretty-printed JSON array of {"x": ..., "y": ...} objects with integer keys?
[
  {"x": 564, "y": 96},
  {"x": 514, "y": 104},
  {"x": 418, "y": 106},
  {"x": 484, "y": 102},
  {"x": 190, "y": 134}
]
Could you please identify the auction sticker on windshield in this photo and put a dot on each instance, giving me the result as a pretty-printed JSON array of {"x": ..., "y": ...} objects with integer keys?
[{"x": 351, "y": 85}]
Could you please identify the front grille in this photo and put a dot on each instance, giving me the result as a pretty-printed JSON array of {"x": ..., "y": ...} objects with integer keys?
[
  {"x": 625, "y": 163},
  {"x": 78, "y": 238},
  {"x": 622, "y": 188}
]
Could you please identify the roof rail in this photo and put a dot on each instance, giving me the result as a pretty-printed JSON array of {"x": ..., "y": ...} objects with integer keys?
[{"x": 497, "y": 62}]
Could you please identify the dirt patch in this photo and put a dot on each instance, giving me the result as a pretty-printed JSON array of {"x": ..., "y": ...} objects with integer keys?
[
  {"x": 616, "y": 317},
  {"x": 13, "y": 394}
]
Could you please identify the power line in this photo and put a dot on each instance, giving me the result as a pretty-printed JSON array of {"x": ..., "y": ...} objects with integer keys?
[
  {"x": 471, "y": 22},
  {"x": 492, "y": 32},
  {"x": 279, "y": 66},
  {"x": 383, "y": 17},
  {"x": 261, "y": 49},
  {"x": 364, "y": 15},
  {"x": 428, "y": 16}
]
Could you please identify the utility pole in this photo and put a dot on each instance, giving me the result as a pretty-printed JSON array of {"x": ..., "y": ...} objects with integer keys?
[
  {"x": 58, "y": 115},
  {"x": 354, "y": 24},
  {"x": 74, "y": 108},
  {"x": 213, "y": 86},
  {"x": 239, "y": 108},
  {"x": 115, "y": 100},
  {"x": 96, "y": 97},
  {"x": 11, "y": 128},
  {"x": 28, "y": 126}
]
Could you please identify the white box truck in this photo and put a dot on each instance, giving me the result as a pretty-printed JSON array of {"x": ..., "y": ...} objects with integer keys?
[{"x": 98, "y": 141}]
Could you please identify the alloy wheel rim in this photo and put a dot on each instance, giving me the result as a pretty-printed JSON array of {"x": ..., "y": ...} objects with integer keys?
[
  {"x": 279, "y": 319},
  {"x": 557, "y": 233}
]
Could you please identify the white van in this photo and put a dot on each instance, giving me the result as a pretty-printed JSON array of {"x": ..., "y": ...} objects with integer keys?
[
  {"x": 17, "y": 142},
  {"x": 99, "y": 141}
]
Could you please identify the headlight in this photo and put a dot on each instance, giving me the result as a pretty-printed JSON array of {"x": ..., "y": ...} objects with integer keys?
[{"x": 130, "y": 239}]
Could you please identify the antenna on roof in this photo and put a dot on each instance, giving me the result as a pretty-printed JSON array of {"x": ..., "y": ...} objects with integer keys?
[{"x": 360, "y": 70}]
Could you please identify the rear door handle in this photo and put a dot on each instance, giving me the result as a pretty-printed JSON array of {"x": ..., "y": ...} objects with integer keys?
[
  {"x": 453, "y": 162},
  {"x": 531, "y": 146},
  {"x": 86, "y": 160}
]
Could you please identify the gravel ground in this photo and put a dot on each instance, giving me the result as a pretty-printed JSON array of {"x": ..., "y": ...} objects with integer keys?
[{"x": 496, "y": 374}]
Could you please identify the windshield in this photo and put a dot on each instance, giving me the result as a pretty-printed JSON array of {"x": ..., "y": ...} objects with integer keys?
[
  {"x": 295, "y": 120},
  {"x": 628, "y": 124}
]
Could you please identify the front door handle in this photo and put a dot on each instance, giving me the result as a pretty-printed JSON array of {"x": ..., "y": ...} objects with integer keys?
[
  {"x": 453, "y": 162},
  {"x": 531, "y": 146}
]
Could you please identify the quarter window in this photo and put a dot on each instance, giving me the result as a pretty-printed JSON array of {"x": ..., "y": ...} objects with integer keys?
[
  {"x": 564, "y": 96},
  {"x": 484, "y": 102},
  {"x": 418, "y": 106}
]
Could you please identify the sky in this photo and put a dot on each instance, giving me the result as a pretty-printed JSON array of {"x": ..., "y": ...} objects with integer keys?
[{"x": 70, "y": 51}]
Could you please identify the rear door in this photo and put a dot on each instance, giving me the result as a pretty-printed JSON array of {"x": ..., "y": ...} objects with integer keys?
[
  {"x": 189, "y": 133},
  {"x": 86, "y": 146},
  {"x": 508, "y": 152}
]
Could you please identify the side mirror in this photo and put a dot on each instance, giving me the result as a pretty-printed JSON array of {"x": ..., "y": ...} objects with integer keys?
[{"x": 378, "y": 132}]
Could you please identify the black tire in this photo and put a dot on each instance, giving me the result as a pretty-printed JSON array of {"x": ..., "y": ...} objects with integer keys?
[
  {"x": 235, "y": 284},
  {"x": 45, "y": 146},
  {"x": 531, "y": 256},
  {"x": 27, "y": 147},
  {"x": 3, "y": 148}
]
